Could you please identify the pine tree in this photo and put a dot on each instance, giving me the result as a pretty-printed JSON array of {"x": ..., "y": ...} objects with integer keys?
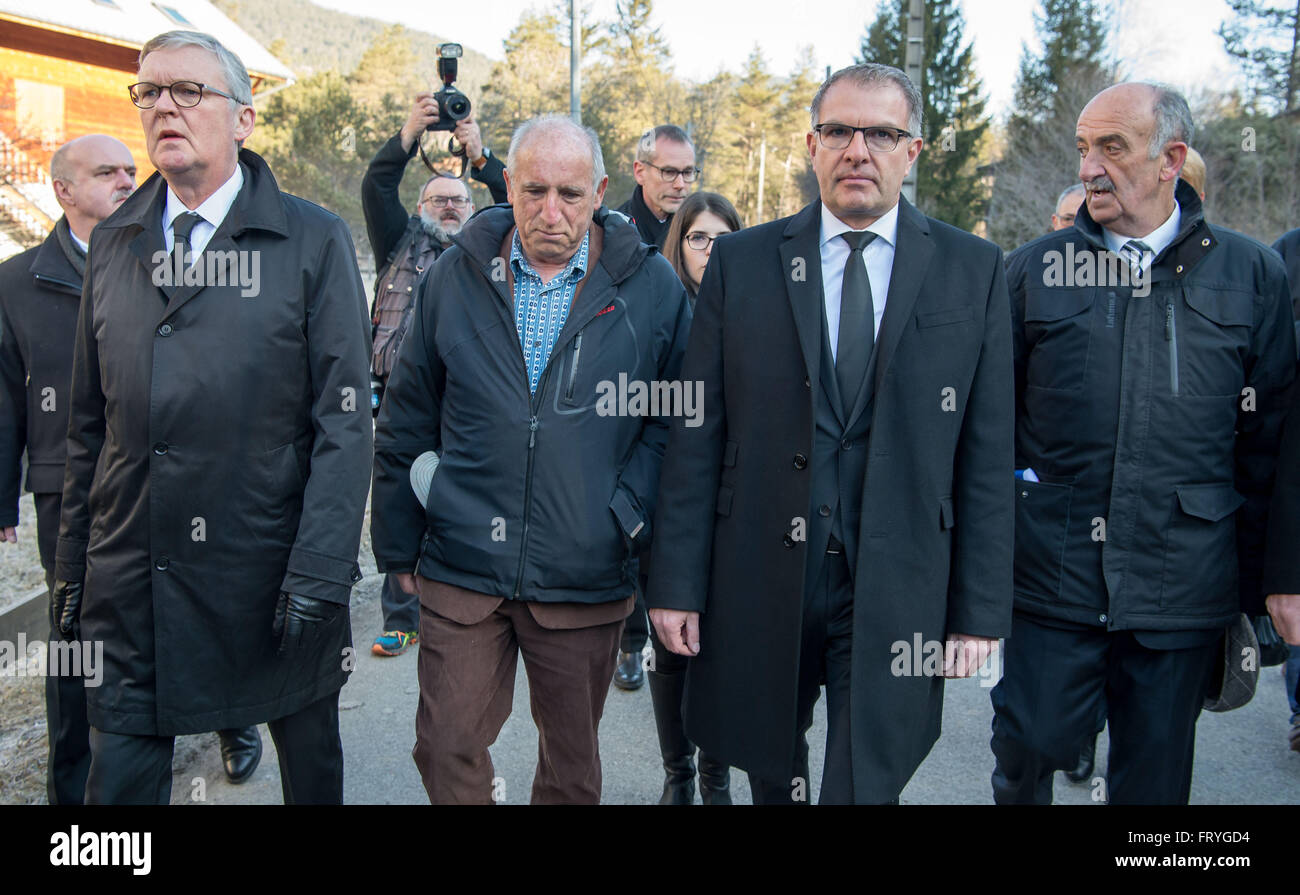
[
  {"x": 1039, "y": 158},
  {"x": 1265, "y": 39},
  {"x": 955, "y": 124}
]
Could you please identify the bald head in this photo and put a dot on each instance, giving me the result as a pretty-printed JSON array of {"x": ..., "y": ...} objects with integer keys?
[
  {"x": 558, "y": 131},
  {"x": 92, "y": 176},
  {"x": 1132, "y": 142}
]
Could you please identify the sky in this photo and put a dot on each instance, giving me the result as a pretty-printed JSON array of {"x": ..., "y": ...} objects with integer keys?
[{"x": 1167, "y": 40}]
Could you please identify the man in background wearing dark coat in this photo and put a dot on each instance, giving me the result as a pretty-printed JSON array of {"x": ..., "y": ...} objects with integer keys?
[
  {"x": 40, "y": 291},
  {"x": 218, "y": 448},
  {"x": 664, "y": 169},
  {"x": 404, "y": 248},
  {"x": 1153, "y": 351},
  {"x": 840, "y": 516}
]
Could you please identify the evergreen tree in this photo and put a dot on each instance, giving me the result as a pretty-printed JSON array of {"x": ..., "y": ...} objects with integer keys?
[
  {"x": 954, "y": 122},
  {"x": 1265, "y": 39},
  {"x": 1039, "y": 157}
]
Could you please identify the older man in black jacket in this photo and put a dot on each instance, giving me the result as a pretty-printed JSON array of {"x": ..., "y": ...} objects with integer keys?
[
  {"x": 218, "y": 447},
  {"x": 532, "y": 336},
  {"x": 1153, "y": 351},
  {"x": 404, "y": 248}
]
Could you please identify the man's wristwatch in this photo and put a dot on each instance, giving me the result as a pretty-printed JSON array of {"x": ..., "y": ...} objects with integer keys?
[{"x": 482, "y": 159}]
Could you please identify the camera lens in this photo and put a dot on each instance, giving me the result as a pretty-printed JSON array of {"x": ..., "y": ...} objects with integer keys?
[{"x": 458, "y": 107}]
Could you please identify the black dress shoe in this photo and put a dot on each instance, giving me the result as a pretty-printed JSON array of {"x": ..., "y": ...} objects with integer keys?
[
  {"x": 629, "y": 674},
  {"x": 1087, "y": 759},
  {"x": 241, "y": 751}
]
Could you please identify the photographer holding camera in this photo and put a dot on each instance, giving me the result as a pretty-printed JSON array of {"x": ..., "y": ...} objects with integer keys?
[{"x": 404, "y": 247}]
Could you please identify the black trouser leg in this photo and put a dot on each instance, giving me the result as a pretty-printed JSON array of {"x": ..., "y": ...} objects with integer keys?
[
  {"x": 1048, "y": 701},
  {"x": 1155, "y": 698},
  {"x": 310, "y": 751},
  {"x": 65, "y": 695},
  {"x": 126, "y": 769},
  {"x": 401, "y": 610},
  {"x": 824, "y": 626},
  {"x": 837, "y": 773}
]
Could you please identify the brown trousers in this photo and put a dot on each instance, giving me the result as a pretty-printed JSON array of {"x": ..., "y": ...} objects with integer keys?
[{"x": 469, "y": 646}]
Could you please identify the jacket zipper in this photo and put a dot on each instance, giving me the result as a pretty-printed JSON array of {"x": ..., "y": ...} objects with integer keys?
[
  {"x": 1171, "y": 336},
  {"x": 573, "y": 368},
  {"x": 533, "y": 407}
]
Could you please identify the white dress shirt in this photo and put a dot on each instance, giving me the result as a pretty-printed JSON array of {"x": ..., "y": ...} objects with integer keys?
[
  {"x": 878, "y": 257},
  {"x": 1157, "y": 239},
  {"x": 213, "y": 211},
  {"x": 84, "y": 246}
]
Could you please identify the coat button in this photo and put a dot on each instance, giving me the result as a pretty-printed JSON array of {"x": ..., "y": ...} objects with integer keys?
[
  {"x": 160, "y": 448},
  {"x": 1102, "y": 618},
  {"x": 800, "y": 460},
  {"x": 1205, "y": 241},
  {"x": 846, "y": 444},
  {"x": 824, "y": 510},
  {"x": 165, "y": 330},
  {"x": 788, "y": 541},
  {"x": 161, "y": 564},
  {"x": 1178, "y": 269}
]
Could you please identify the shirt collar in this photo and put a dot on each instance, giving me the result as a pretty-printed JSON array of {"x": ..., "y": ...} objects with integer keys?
[
  {"x": 1156, "y": 240},
  {"x": 213, "y": 209},
  {"x": 577, "y": 264},
  {"x": 885, "y": 227},
  {"x": 84, "y": 246}
]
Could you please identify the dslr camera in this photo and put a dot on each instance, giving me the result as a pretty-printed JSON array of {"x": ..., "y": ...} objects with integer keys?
[{"x": 453, "y": 106}]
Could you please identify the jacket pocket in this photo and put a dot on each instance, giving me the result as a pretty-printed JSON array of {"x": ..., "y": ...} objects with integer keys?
[
  {"x": 1211, "y": 335},
  {"x": 571, "y": 371},
  {"x": 1201, "y": 548},
  {"x": 946, "y": 316},
  {"x": 1042, "y": 524},
  {"x": 1058, "y": 328}
]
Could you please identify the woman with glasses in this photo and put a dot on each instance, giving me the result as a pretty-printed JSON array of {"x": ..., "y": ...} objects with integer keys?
[{"x": 702, "y": 218}]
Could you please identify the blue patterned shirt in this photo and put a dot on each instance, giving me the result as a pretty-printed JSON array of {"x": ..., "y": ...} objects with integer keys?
[{"x": 541, "y": 309}]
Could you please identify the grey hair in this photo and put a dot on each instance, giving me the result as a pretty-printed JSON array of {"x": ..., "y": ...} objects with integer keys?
[
  {"x": 549, "y": 124},
  {"x": 1173, "y": 119},
  {"x": 1072, "y": 188},
  {"x": 873, "y": 74},
  {"x": 237, "y": 81},
  {"x": 649, "y": 142}
]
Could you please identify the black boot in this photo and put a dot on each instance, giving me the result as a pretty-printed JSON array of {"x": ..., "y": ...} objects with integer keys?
[
  {"x": 677, "y": 751},
  {"x": 1087, "y": 760},
  {"x": 241, "y": 750},
  {"x": 715, "y": 782}
]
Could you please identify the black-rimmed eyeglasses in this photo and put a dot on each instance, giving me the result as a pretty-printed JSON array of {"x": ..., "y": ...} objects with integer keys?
[
  {"x": 839, "y": 136},
  {"x": 699, "y": 241},
  {"x": 186, "y": 94},
  {"x": 444, "y": 201},
  {"x": 671, "y": 174}
]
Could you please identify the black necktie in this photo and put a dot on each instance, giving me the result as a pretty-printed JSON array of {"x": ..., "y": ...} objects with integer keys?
[
  {"x": 857, "y": 321},
  {"x": 181, "y": 229}
]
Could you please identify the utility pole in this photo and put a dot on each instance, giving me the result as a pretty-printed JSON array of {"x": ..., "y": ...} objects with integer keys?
[
  {"x": 575, "y": 63},
  {"x": 915, "y": 61}
]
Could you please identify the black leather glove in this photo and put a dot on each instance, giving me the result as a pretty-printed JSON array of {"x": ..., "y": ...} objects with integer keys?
[
  {"x": 301, "y": 621},
  {"x": 67, "y": 609}
]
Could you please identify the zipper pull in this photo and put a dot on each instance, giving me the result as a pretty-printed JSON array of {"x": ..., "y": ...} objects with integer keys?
[
  {"x": 1169, "y": 322},
  {"x": 532, "y": 432}
]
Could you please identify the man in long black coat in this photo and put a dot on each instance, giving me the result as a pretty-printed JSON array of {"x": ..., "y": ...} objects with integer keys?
[
  {"x": 842, "y": 514},
  {"x": 218, "y": 448}
]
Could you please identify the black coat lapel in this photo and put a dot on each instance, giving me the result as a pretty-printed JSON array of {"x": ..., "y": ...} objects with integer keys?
[
  {"x": 801, "y": 261},
  {"x": 911, "y": 263}
]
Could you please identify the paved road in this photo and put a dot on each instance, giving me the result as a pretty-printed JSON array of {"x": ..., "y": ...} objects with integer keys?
[{"x": 1241, "y": 756}]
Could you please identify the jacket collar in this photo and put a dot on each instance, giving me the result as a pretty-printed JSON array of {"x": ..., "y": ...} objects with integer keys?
[
  {"x": 622, "y": 253},
  {"x": 51, "y": 264},
  {"x": 259, "y": 205},
  {"x": 1181, "y": 255}
]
